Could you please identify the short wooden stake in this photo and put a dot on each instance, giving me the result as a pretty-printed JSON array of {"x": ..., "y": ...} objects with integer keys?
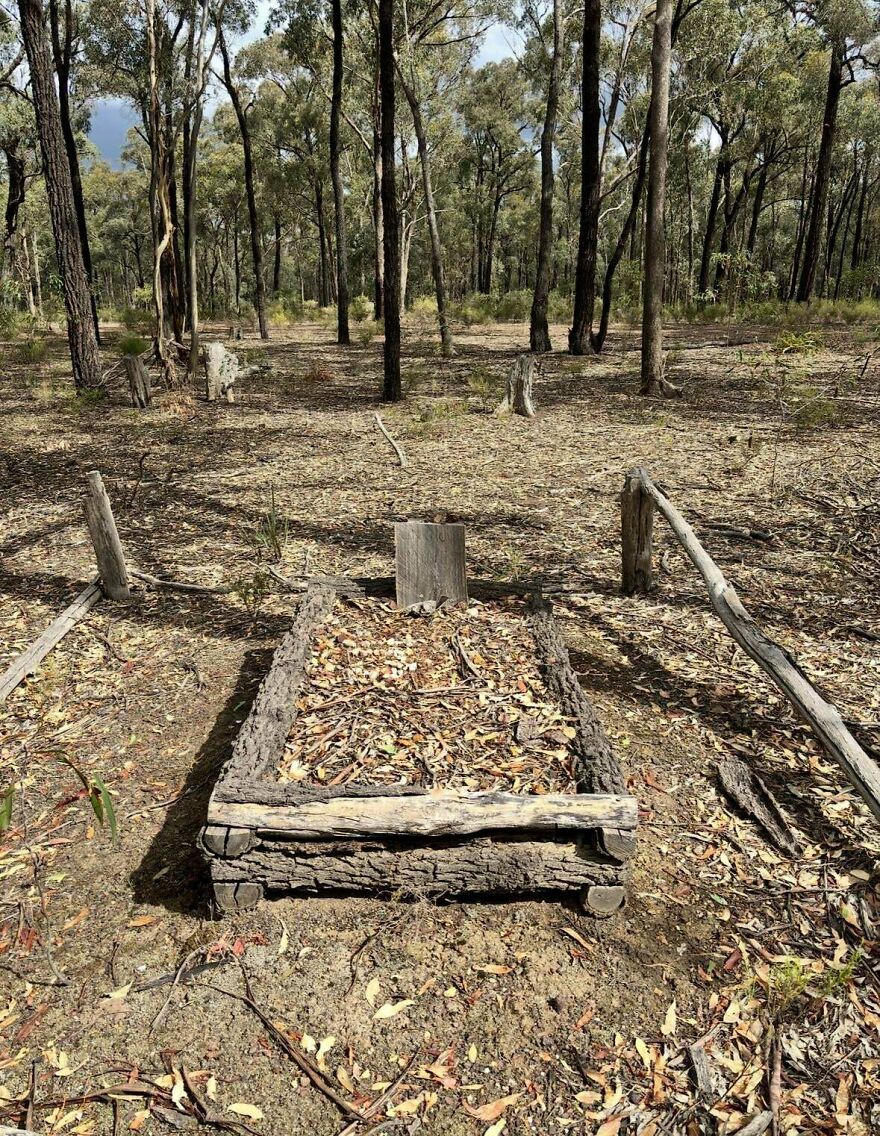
[
  {"x": 429, "y": 563},
  {"x": 637, "y": 529},
  {"x": 105, "y": 538}
]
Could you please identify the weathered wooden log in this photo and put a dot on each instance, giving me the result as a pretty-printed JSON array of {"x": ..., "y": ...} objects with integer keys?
[
  {"x": 261, "y": 739},
  {"x": 138, "y": 381},
  {"x": 596, "y": 767},
  {"x": 429, "y": 563},
  {"x": 518, "y": 394},
  {"x": 221, "y": 372},
  {"x": 105, "y": 538},
  {"x": 471, "y": 866},
  {"x": 822, "y": 716},
  {"x": 747, "y": 790},
  {"x": 637, "y": 525},
  {"x": 443, "y": 812},
  {"x": 396, "y": 446},
  {"x": 28, "y": 661}
]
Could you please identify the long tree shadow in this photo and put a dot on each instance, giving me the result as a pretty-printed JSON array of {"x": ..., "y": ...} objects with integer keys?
[{"x": 173, "y": 873}]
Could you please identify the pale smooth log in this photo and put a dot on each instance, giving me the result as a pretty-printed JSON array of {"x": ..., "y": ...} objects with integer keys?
[
  {"x": 479, "y": 866},
  {"x": 822, "y": 716},
  {"x": 435, "y": 814},
  {"x": 28, "y": 661},
  {"x": 429, "y": 563},
  {"x": 637, "y": 527},
  {"x": 105, "y": 538},
  {"x": 398, "y": 449}
]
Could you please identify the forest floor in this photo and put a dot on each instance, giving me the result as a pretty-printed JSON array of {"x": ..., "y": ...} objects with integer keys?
[{"x": 522, "y": 1017}]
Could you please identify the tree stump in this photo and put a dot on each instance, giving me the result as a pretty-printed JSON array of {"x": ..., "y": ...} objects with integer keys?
[
  {"x": 518, "y": 396},
  {"x": 138, "y": 381},
  {"x": 429, "y": 563},
  {"x": 105, "y": 538},
  {"x": 221, "y": 372}
]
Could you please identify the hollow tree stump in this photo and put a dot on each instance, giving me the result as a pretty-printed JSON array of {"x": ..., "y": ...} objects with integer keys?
[
  {"x": 221, "y": 373},
  {"x": 429, "y": 563},
  {"x": 105, "y": 538},
  {"x": 518, "y": 396},
  {"x": 138, "y": 381}
]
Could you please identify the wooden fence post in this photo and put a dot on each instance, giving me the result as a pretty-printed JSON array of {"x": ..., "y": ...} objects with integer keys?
[
  {"x": 637, "y": 528},
  {"x": 105, "y": 538}
]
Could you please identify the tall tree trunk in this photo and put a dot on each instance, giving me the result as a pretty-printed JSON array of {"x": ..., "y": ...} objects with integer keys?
[
  {"x": 392, "y": 390},
  {"x": 324, "y": 297},
  {"x": 276, "y": 262},
  {"x": 15, "y": 191},
  {"x": 539, "y": 332},
  {"x": 62, "y": 54},
  {"x": 655, "y": 243},
  {"x": 757, "y": 205},
  {"x": 806, "y": 198},
  {"x": 343, "y": 335},
  {"x": 721, "y": 166},
  {"x": 822, "y": 176},
  {"x": 588, "y": 236},
  {"x": 378, "y": 216},
  {"x": 446, "y": 346},
  {"x": 192, "y": 129},
  {"x": 250, "y": 192},
  {"x": 855, "y": 257},
  {"x": 62, "y": 208}
]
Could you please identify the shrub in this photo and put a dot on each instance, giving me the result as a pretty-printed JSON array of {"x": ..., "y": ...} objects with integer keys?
[
  {"x": 515, "y": 305},
  {"x": 31, "y": 351},
  {"x": 367, "y": 331},
  {"x": 360, "y": 308},
  {"x": 132, "y": 345},
  {"x": 135, "y": 319},
  {"x": 799, "y": 343},
  {"x": 319, "y": 373},
  {"x": 9, "y": 323}
]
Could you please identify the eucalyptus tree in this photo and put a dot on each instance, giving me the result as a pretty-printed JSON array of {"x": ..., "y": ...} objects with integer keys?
[
  {"x": 81, "y": 335},
  {"x": 392, "y": 389},
  {"x": 579, "y": 342}
]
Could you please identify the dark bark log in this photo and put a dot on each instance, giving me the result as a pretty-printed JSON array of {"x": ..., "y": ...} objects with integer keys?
[
  {"x": 822, "y": 176},
  {"x": 392, "y": 390},
  {"x": 62, "y": 208},
  {"x": 585, "y": 271},
  {"x": 342, "y": 330},
  {"x": 250, "y": 192},
  {"x": 596, "y": 768},
  {"x": 539, "y": 332}
]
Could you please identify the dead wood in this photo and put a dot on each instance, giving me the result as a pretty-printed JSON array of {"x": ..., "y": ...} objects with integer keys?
[
  {"x": 398, "y": 449},
  {"x": 518, "y": 393},
  {"x": 28, "y": 661},
  {"x": 180, "y": 586},
  {"x": 429, "y": 562},
  {"x": 105, "y": 539},
  {"x": 822, "y": 716},
  {"x": 747, "y": 790},
  {"x": 138, "y": 381}
]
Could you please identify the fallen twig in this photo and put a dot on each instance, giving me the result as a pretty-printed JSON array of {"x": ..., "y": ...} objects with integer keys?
[
  {"x": 308, "y": 1067},
  {"x": 401, "y": 456},
  {"x": 180, "y": 586}
]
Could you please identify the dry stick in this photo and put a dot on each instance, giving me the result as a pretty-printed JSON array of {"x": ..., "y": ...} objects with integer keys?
[
  {"x": 28, "y": 661},
  {"x": 401, "y": 456},
  {"x": 105, "y": 538},
  {"x": 822, "y": 716},
  {"x": 179, "y": 586},
  {"x": 294, "y": 1054}
]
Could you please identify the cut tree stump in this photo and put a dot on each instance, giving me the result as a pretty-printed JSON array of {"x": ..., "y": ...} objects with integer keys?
[
  {"x": 105, "y": 538},
  {"x": 637, "y": 526},
  {"x": 221, "y": 372},
  {"x": 429, "y": 564},
  {"x": 264, "y": 836},
  {"x": 138, "y": 381},
  {"x": 518, "y": 395}
]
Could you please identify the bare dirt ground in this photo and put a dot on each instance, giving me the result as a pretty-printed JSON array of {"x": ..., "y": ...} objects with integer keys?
[{"x": 522, "y": 1017}]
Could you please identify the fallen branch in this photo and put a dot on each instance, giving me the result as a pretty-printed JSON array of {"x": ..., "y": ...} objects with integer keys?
[
  {"x": 822, "y": 716},
  {"x": 747, "y": 789},
  {"x": 299, "y": 1058},
  {"x": 28, "y": 661},
  {"x": 180, "y": 586},
  {"x": 401, "y": 456}
]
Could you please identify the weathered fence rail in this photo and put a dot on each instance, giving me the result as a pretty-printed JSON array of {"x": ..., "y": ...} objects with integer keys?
[{"x": 639, "y": 500}]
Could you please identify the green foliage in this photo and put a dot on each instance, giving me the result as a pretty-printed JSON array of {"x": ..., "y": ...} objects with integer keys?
[
  {"x": 486, "y": 385},
  {"x": 359, "y": 308},
  {"x": 799, "y": 343},
  {"x": 271, "y": 532},
  {"x": 96, "y": 792},
  {"x": 252, "y": 590},
  {"x": 31, "y": 351},
  {"x": 10, "y": 321},
  {"x": 6, "y": 799},
  {"x": 132, "y": 345},
  {"x": 367, "y": 331}
]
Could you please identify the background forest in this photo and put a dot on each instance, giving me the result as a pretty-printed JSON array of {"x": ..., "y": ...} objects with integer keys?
[{"x": 251, "y": 187}]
